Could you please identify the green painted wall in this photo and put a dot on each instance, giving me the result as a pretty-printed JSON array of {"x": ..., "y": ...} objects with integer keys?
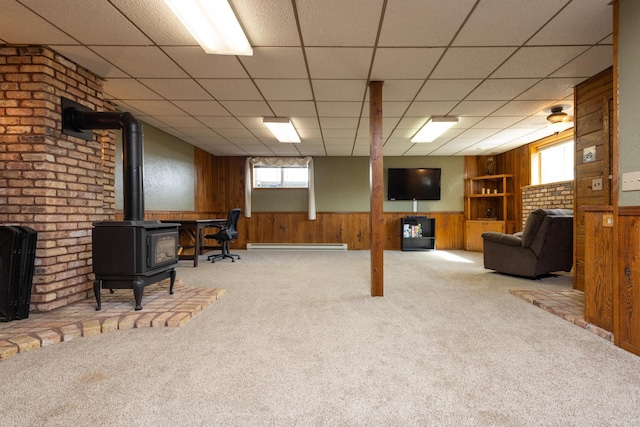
[
  {"x": 342, "y": 185},
  {"x": 629, "y": 95},
  {"x": 168, "y": 172}
]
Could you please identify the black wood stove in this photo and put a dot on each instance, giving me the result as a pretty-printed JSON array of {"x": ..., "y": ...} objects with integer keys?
[{"x": 135, "y": 252}]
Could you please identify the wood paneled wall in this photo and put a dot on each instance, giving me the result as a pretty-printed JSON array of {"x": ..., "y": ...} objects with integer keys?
[
  {"x": 599, "y": 266},
  {"x": 627, "y": 298},
  {"x": 593, "y": 100},
  {"x": 220, "y": 186}
]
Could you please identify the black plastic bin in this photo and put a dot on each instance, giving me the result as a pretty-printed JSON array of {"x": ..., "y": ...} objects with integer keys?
[{"x": 17, "y": 258}]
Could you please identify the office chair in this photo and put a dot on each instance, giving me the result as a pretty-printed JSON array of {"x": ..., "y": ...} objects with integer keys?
[{"x": 226, "y": 233}]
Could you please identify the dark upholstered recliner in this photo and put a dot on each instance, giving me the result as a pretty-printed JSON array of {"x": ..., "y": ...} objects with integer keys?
[{"x": 545, "y": 245}]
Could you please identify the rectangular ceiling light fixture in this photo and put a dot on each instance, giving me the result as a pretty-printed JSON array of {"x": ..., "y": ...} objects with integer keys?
[
  {"x": 213, "y": 24},
  {"x": 435, "y": 127},
  {"x": 281, "y": 128}
]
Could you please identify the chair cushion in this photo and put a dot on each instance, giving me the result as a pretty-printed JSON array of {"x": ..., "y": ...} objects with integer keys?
[{"x": 534, "y": 220}]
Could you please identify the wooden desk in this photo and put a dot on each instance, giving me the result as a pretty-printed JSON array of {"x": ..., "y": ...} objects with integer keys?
[{"x": 194, "y": 228}]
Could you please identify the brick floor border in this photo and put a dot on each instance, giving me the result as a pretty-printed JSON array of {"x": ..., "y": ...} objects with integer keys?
[
  {"x": 80, "y": 319},
  {"x": 568, "y": 305}
]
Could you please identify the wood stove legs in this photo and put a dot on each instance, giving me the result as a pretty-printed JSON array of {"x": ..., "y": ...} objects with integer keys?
[{"x": 135, "y": 283}]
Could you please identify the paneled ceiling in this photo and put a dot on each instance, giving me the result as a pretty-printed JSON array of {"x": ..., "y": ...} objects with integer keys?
[{"x": 497, "y": 65}]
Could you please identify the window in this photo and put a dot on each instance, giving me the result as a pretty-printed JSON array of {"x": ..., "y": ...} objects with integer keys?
[
  {"x": 280, "y": 177},
  {"x": 552, "y": 162}
]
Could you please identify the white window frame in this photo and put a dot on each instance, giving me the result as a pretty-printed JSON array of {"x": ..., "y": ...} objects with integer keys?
[
  {"x": 254, "y": 162},
  {"x": 538, "y": 175},
  {"x": 282, "y": 181}
]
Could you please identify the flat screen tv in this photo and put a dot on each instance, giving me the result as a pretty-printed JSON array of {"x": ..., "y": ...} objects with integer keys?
[{"x": 413, "y": 183}]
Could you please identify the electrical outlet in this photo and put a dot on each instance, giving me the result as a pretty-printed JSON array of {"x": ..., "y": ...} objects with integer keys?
[{"x": 596, "y": 184}]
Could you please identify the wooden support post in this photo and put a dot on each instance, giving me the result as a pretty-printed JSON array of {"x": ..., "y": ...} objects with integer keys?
[{"x": 376, "y": 184}]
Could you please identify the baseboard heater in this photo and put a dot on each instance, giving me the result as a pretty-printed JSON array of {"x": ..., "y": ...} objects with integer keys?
[{"x": 297, "y": 246}]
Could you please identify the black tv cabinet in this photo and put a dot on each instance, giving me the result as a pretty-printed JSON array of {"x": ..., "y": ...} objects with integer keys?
[{"x": 418, "y": 233}]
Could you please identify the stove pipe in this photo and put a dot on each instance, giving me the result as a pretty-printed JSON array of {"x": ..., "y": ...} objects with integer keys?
[{"x": 132, "y": 148}]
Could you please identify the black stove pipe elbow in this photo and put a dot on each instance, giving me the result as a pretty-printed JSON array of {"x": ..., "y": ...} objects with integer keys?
[{"x": 132, "y": 147}]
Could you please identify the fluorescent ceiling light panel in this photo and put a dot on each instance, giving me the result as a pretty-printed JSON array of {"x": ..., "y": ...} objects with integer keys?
[
  {"x": 213, "y": 24},
  {"x": 435, "y": 127},
  {"x": 282, "y": 129}
]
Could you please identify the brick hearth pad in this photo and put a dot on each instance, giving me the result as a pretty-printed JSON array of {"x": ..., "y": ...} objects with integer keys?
[
  {"x": 80, "y": 319},
  {"x": 568, "y": 305}
]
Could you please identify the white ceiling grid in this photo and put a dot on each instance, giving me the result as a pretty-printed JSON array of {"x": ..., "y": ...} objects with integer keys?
[{"x": 498, "y": 65}]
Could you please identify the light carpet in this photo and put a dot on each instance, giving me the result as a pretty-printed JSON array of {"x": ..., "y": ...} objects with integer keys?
[{"x": 298, "y": 340}]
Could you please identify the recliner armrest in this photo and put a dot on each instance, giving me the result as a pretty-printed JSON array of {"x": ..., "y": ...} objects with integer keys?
[{"x": 504, "y": 239}]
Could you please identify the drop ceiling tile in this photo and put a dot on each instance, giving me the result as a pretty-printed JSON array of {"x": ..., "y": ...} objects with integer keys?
[
  {"x": 156, "y": 20},
  {"x": 199, "y": 132},
  {"x": 307, "y": 134},
  {"x": 337, "y": 150},
  {"x": 501, "y": 89},
  {"x": 155, "y": 108},
  {"x": 550, "y": 89},
  {"x": 221, "y": 122},
  {"x": 285, "y": 90},
  {"x": 306, "y": 150},
  {"x": 590, "y": 63},
  {"x": 447, "y": 90},
  {"x": 70, "y": 17},
  {"x": 476, "y": 108},
  {"x": 235, "y": 134},
  {"x": 285, "y": 149},
  {"x": 339, "y": 133},
  {"x": 199, "y": 64},
  {"x": 362, "y": 151},
  {"x": 521, "y": 108},
  {"x": 393, "y": 150},
  {"x": 430, "y": 108},
  {"x": 339, "y": 123},
  {"x": 533, "y": 122},
  {"x": 293, "y": 109},
  {"x": 404, "y": 63},
  {"x": 388, "y": 125},
  {"x": 202, "y": 108},
  {"x": 581, "y": 22},
  {"x": 15, "y": 18},
  {"x": 497, "y": 122},
  {"x": 331, "y": 22},
  {"x": 512, "y": 23},
  {"x": 539, "y": 61},
  {"x": 339, "y": 90},
  {"x": 183, "y": 121},
  {"x": 275, "y": 63},
  {"x": 478, "y": 133},
  {"x": 128, "y": 89},
  {"x": 88, "y": 59},
  {"x": 399, "y": 90},
  {"x": 471, "y": 63},
  {"x": 140, "y": 61},
  {"x": 423, "y": 22},
  {"x": 231, "y": 89},
  {"x": 247, "y": 108},
  {"x": 453, "y": 147},
  {"x": 389, "y": 109},
  {"x": 338, "y": 63},
  {"x": 177, "y": 89},
  {"x": 268, "y": 22},
  {"x": 339, "y": 109},
  {"x": 305, "y": 122}
]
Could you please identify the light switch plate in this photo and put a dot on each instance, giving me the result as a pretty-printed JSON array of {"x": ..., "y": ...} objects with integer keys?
[{"x": 631, "y": 181}]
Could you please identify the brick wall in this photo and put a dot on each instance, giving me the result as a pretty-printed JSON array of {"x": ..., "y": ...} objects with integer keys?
[
  {"x": 558, "y": 195},
  {"x": 56, "y": 184}
]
